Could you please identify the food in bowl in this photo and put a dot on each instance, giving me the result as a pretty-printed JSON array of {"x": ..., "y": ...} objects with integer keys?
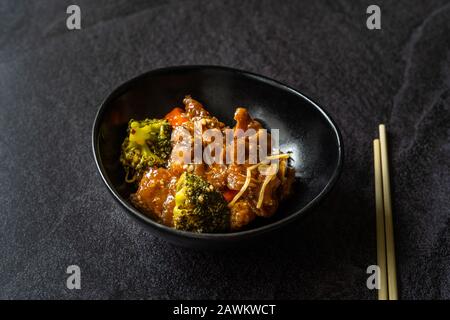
[{"x": 194, "y": 173}]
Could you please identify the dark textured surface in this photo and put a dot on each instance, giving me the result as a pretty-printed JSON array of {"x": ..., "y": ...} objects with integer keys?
[{"x": 55, "y": 210}]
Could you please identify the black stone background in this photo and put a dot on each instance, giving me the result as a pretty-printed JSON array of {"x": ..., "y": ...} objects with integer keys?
[{"x": 55, "y": 210}]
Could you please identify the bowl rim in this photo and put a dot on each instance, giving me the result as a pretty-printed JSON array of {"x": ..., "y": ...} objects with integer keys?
[{"x": 212, "y": 236}]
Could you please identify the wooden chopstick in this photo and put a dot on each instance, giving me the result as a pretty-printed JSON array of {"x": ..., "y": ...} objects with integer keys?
[
  {"x": 389, "y": 227},
  {"x": 379, "y": 206}
]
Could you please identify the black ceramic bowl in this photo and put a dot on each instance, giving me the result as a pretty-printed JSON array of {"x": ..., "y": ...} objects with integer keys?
[{"x": 305, "y": 130}]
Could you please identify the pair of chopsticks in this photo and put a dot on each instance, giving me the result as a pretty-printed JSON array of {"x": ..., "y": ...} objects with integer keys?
[{"x": 385, "y": 229}]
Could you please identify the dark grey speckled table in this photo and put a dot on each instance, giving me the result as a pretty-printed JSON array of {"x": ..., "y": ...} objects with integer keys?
[{"x": 55, "y": 210}]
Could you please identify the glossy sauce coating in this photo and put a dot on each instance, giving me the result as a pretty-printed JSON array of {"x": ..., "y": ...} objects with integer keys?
[{"x": 157, "y": 188}]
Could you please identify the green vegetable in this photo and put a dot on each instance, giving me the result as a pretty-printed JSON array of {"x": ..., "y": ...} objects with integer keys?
[
  {"x": 199, "y": 207},
  {"x": 147, "y": 145}
]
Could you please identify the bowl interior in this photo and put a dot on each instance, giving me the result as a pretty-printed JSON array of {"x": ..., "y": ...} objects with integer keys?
[{"x": 303, "y": 127}]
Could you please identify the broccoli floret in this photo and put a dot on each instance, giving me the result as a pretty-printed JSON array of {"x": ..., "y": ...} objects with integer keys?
[
  {"x": 199, "y": 207},
  {"x": 147, "y": 145}
]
